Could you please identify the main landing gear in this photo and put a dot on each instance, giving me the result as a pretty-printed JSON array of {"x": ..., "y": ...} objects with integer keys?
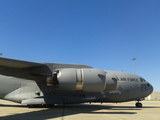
[{"x": 138, "y": 104}]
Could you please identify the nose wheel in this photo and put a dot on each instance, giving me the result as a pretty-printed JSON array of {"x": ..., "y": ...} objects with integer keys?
[{"x": 138, "y": 104}]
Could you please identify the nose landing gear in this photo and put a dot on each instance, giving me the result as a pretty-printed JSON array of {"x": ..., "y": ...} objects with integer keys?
[{"x": 138, "y": 104}]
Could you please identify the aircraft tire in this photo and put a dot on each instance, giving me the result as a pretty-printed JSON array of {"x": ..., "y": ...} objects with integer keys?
[{"x": 138, "y": 105}]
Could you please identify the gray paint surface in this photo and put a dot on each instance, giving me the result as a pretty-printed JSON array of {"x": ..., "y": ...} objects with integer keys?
[{"x": 26, "y": 83}]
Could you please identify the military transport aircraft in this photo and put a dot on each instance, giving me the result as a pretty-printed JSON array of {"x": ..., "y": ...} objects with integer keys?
[{"x": 34, "y": 83}]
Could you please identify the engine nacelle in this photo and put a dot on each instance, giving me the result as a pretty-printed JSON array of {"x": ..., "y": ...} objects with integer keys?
[{"x": 85, "y": 79}]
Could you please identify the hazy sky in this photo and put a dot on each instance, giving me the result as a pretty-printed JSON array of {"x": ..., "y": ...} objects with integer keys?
[{"x": 105, "y": 34}]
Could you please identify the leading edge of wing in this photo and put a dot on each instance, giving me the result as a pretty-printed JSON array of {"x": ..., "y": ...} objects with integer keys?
[
  {"x": 31, "y": 70},
  {"x": 36, "y": 67},
  {"x": 14, "y": 63}
]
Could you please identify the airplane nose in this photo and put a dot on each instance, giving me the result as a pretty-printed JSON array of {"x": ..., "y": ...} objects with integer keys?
[{"x": 150, "y": 88}]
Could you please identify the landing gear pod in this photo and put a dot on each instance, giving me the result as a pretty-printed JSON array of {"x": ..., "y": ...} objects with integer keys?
[{"x": 86, "y": 79}]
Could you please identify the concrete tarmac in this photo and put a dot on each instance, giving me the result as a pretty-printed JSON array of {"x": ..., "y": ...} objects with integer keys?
[{"x": 94, "y": 111}]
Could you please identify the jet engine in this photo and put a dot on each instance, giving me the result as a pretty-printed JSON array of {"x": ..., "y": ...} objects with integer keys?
[
  {"x": 84, "y": 79},
  {"x": 72, "y": 79}
]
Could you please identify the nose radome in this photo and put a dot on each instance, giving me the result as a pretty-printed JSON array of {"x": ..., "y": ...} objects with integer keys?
[{"x": 150, "y": 88}]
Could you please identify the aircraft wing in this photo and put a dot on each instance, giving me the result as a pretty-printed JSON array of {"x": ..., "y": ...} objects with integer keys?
[
  {"x": 31, "y": 70},
  {"x": 13, "y": 63}
]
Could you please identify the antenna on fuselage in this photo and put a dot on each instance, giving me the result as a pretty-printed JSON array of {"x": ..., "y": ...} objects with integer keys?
[{"x": 134, "y": 65}]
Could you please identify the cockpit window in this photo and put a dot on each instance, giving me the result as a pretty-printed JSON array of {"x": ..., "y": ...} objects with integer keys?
[
  {"x": 142, "y": 80},
  {"x": 148, "y": 84}
]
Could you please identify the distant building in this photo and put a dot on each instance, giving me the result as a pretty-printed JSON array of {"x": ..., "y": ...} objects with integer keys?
[{"x": 154, "y": 96}]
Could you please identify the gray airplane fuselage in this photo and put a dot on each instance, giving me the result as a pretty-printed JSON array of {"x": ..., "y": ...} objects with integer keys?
[
  {"x": 129, "y": 87},
  {"x": 34, "y": 83}
]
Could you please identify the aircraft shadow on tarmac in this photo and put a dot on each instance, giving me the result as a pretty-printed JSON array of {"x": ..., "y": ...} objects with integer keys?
[
  {"x": 67, "y": 110},
  {"x": 20, "y": 106}
]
